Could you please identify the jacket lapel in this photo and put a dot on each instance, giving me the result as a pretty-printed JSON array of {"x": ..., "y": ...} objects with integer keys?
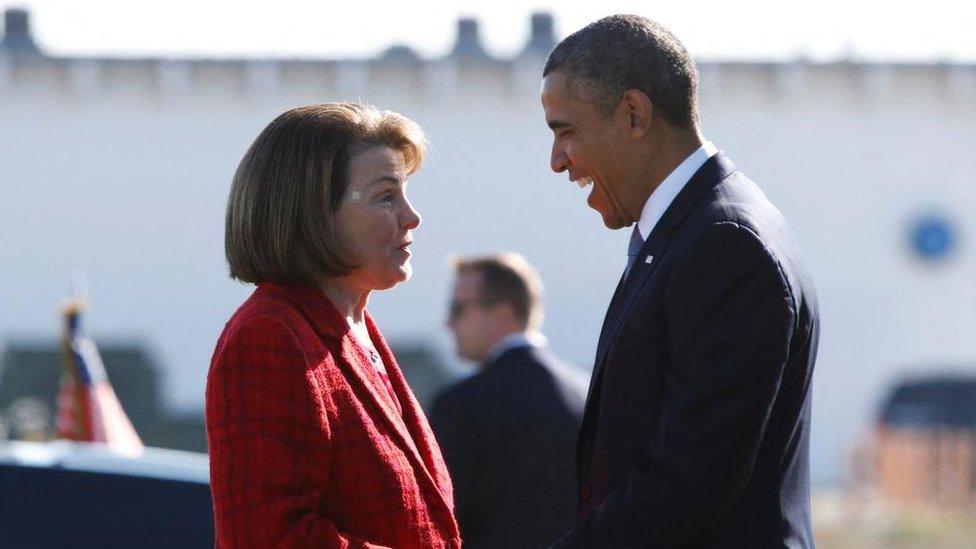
[
  {"x": 713, "y": 171},
  {"x": 407, "y": 431},
  {"x": 412, "y": 441},
  {"x": 354, "y": 363},
  {"x": 415, "y": 422}
]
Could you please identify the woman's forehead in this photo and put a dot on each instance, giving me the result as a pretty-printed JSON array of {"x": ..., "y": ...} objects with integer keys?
[
  {"x": 379, "y": 157},
  {"x": 377, "y": 165}
]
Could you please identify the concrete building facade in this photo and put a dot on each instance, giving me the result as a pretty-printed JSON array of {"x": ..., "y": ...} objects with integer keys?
[{"x": 120, "y": 167}]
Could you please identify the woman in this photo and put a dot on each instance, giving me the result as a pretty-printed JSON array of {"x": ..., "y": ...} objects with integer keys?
[{"x": 315, "y": 438}]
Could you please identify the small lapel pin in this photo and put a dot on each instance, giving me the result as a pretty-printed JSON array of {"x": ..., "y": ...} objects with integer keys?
[{"x": 648, "y": 259}]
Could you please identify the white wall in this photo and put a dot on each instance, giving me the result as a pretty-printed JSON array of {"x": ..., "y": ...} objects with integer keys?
[{"x": 122, "y": 169}]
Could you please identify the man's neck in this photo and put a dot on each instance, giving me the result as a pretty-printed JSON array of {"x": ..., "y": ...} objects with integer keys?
[{"x": 674, "y": 148}]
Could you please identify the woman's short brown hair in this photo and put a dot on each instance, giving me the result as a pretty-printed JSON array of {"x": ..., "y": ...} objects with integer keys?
[{"x": 291, "y": 182}]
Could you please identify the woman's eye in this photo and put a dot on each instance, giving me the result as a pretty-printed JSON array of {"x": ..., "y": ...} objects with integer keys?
[{"x": 386, "y": 198}]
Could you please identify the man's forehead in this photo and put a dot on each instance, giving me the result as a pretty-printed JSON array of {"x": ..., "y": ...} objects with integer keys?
[
  {"x": 562, "y": 90},
  {"x": 554, "y": 85}
]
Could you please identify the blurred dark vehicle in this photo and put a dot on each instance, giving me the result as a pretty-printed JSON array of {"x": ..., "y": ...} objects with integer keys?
[
  {"x": 935, "y": 402},
  {"x": 66, "y": 494}
]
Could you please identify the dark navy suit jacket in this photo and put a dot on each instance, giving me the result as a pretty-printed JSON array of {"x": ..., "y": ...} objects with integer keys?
[
  {"x": 508, "y": 435},
  {"x": 697, "y": 423}
]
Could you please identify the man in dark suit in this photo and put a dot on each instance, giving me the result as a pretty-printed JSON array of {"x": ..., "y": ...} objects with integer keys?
[
  {"x": 508, "y": 432},
  {"x": 697, "y": 424}
]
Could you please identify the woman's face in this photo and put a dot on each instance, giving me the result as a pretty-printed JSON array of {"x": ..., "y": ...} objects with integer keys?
[{"x": 375, "y": 221}]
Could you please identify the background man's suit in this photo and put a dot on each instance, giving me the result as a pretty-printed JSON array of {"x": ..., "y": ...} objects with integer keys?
[
  {"x": 697, "y": 422},
  {"x": 508, "y": 434}
]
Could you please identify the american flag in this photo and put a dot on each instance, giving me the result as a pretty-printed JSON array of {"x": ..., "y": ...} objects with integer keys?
[{"x": 88, "y": 409}]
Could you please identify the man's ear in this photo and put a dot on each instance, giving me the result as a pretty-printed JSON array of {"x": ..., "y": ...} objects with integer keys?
[
  {"x": 503, "y": 311},
  {"x": 639, "y": 111}
]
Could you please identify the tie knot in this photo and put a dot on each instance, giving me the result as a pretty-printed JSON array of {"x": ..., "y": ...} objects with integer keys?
[{"x": 636, "y": 242}]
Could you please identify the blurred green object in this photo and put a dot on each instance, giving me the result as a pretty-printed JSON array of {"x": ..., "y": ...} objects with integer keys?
[
  {"x": 30, "y": 373},
  {"x": 32, "y": 370}
]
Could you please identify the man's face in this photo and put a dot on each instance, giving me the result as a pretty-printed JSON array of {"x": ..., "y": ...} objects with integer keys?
[
  {"x": 470, "y": 319},
  {"x": 586, "y": 143}
]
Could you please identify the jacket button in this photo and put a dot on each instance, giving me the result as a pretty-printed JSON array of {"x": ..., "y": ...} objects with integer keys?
[{"x": 585, "y": 494}]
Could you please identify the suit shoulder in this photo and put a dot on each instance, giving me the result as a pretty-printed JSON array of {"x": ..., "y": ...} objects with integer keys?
[
  {"x": 725, "y": 251},
  {"x": 492, "y": 385},
  {"x": 729, "y": 239},
  {"x": 533, "y": 375},
  {"x": 565, "y": 375},
  {"x": 461, "y": 391},
  {"x": 263, "y": 320},
  {"x": 734, "y": 204},
  {"x": 459, "y": 403},
  {"x": 737, "y": 199}
]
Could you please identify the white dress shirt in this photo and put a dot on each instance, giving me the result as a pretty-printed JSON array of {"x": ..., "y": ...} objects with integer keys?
[
  {"x": 514, "y": 340},
  {"x": 664, "y": 194}
]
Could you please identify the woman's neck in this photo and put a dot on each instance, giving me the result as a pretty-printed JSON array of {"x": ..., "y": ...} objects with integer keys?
[{"x": 351, "y": 301}]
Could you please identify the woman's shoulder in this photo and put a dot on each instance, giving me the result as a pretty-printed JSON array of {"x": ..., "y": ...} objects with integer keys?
[
  {"x": 265, "y": 319},
  {"x": 264, "y": 307}
]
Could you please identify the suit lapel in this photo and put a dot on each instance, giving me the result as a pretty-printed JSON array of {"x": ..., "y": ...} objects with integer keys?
[
  {"x": 713, "y": 171},
  {"x": 624, "y": 298}
]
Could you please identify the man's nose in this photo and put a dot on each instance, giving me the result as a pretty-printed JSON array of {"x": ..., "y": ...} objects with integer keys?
[{"x": 558, "y": 160}]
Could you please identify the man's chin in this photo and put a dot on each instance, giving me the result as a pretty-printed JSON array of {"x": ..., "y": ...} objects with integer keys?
[
  {"x": 610, "y": 218},
  {"x": 612, "y": 222}
]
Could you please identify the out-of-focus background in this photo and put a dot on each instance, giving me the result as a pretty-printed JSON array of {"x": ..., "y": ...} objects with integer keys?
[{"x": 121, "y": 124}]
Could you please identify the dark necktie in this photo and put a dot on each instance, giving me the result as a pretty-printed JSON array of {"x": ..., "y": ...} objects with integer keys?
[{"x": 633, "y": 250}]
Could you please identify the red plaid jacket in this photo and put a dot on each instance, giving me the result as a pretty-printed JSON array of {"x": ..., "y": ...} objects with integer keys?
[{"x": 307, "y": 447}]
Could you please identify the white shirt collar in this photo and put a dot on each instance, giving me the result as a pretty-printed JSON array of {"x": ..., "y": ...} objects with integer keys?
[
  {"x": 665, "y": 193},
  {"x": 515, "y": 340}
]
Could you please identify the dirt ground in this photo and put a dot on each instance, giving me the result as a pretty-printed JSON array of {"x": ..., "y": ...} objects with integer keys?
[{"x": 843, "y": 521}]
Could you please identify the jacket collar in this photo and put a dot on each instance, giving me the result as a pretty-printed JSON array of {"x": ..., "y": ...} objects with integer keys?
[
  {"x": 410, "y": 429},
  {"x": 324, "y": 317},
  {"x": 715, "y": 170}
]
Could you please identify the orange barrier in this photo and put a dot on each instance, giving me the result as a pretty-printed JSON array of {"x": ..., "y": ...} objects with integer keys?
[{"x": 915, "y": 466}]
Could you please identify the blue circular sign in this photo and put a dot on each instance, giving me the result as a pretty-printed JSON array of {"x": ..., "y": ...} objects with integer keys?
[{"x": 932, "y": 237}]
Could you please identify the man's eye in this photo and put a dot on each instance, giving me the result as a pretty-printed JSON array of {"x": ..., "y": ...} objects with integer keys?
[{"x": 386, "y": 198}]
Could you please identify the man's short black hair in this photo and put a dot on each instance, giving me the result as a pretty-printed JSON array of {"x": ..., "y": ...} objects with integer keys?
[{"x": 621, "y": 52}]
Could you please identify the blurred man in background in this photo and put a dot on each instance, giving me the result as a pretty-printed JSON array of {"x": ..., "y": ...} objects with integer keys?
[{"x": 508, "y": 433}]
